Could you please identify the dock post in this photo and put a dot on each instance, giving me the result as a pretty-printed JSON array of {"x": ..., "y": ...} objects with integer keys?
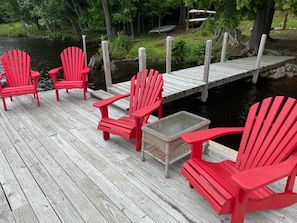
[
  {"x": 259, "y": 57},
  {"x": 142, "y": 58},
  {"x": 85, "y": 50},
  {"x": 106, "y": 63},
  {"x": 224, "y": 47},
  {"x": 168, "y": 54},
  {"x": 207, "y": 60}
]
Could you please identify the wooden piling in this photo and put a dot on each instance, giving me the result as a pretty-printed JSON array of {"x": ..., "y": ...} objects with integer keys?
[
  {"x": 207, "y": 61},
  {"x": 224, "y": 47},
  {"x": 259, "y": 57},
  {"x": 142, "y": 58},
  {"x": 168, "y": 54},
  {"x": 106, "y": 63}
]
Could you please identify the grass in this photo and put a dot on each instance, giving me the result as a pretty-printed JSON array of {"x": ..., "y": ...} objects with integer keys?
[{"x": 12, "y": 29}]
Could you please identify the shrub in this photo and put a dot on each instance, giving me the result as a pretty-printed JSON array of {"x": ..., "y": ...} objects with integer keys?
[{"x": 179, "y": 49}]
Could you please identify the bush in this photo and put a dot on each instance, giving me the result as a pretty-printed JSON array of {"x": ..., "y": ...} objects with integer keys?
[
  {"x": 179, "y": 49},
  {"x": 120, "y": 46}
]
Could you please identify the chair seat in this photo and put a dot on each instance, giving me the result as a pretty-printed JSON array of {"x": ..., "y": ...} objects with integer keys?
[
  {"x": 213, "y": 181},
  {"x": 124, "y": 126},
  {"x": 14, "y": 91},
  {"x": 69, "y": 84}
]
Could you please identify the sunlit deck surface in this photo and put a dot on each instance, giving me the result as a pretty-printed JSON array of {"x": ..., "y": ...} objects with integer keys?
[{"x": 55, "y": 167}]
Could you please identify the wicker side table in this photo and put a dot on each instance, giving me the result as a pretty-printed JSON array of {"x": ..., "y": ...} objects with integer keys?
[{"x": 163, "y": 137}]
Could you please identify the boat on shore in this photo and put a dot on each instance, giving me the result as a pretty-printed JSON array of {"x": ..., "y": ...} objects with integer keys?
[{"x": 163, "y": 29}]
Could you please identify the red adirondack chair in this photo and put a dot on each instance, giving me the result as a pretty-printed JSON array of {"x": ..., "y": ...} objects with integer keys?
[
  {"x": 20, "y": 79},
  {"x": 145, "y": 97},
  {"x": 267, "y": 153},
  {"x": 74, "y": 69}
]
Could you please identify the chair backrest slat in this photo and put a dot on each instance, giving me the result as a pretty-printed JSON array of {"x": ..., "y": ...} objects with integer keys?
[
  {"x": 73, "y": 61},
  {"x": 145, "y": 89},
  {"x": 16, "y": 65},
  {"x": 270, "y": 133}
]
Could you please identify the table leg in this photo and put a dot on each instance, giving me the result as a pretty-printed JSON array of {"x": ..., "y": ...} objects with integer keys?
[
  {"x": 142, "y": 151},
  {"x": 166, "y": 161}
]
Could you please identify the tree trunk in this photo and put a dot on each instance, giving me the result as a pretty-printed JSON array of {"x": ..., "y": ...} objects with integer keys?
[
  {"x": 262, "y": 25},
  {"x": 182, "y": 14},
  {"x": 107, "y": 19},
  {"x": 48, "y": 27}
]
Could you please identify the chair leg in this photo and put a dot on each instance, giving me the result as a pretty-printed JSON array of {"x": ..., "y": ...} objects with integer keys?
[
  {"x": 138, "y": 142},
  {"x": 106, "y": 135},
  {"x": 57, "y": 95},
  {"x": 85, "y": 94},
  {"x": 4, "y": 104},
  {"x": 85, "y": 90},
  {"x": 37, "y": 99}
]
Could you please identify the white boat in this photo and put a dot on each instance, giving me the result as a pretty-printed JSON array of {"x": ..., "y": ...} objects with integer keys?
[{"x": 163, "y": 29}]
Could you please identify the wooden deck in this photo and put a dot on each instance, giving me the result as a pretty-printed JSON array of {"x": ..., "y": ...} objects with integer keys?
[
  {"x": 55, "y": 167},
  {"x": 189, "y": 81}
]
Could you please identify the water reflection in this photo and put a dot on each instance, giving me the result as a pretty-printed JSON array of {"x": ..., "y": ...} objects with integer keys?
[{"x": 228, "y": 105}]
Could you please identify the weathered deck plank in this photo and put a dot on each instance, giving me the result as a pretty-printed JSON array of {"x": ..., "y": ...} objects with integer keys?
[{"x": 55, "y": 167}]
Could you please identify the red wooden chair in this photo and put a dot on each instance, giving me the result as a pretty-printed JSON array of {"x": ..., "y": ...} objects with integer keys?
[
  {"x": 74, "y": 69},
  {"x": 20, "y": 79},
  {"x": 145, "y": 97},
  {"x": 267, "y": 153}
]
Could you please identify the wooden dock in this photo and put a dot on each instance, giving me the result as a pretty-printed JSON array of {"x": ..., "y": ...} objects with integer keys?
[
  {"x": 55, "y": 167},
  {"x": 189, "y": 81}
]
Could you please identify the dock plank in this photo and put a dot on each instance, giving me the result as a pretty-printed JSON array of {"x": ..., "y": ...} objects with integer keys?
[
  {"x": 89, "y": 179},
  {"x": 188, "y": 81}
]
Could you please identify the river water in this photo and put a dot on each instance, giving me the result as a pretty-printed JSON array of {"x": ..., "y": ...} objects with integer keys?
[{"x": 226, "y": 105}]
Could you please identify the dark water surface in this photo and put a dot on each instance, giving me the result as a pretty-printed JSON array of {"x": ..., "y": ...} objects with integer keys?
[{"x": 226, "y": 106}]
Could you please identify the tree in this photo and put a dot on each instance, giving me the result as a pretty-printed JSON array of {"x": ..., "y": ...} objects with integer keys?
[
  {"x": 159, "y": 9},
  {"x": 230, "y": 13},
  {"x": 107, "y": 19},
  {"x": 124, "y": 13},
  {"x": 263, "y": 11}
]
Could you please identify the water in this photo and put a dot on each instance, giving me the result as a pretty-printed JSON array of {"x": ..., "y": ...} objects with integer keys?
[{"x": 226, "y": 105}]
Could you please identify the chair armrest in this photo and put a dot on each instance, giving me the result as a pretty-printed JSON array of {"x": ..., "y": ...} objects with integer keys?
[
  {"x": 86, "y": 71},
  {"x": 53, "y": 73},
  {"x": 110, "y": 100},
  {"x": 34, "y": 74},
  {"x": 258, "y": 177},
  {"x": 147, "y": 110},
  {"x": 34, "y": 77},
  {"x": 208, "y": 134}
]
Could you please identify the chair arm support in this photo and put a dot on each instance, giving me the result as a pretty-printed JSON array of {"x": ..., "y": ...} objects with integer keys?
[
  {"x": 1, "y": 75},
  {"x": 147, "y": 110},
  {"x": 35, "y": 74},
  {"x": 258, "y": 177},
  {"x": 208, "y": 134},
  {"x": 35, "y": 77},
  {"x": 85, "y": 72},
  {"x": 110, "y": 100},
  {"x": 53, "y": 73}
]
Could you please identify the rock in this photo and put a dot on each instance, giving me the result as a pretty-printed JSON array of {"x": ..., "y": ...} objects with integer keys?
[{"x": 279, "y": 73}]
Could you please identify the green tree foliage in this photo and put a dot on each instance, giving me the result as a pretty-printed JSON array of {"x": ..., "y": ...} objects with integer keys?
[{"x": 158, "y": 9}]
